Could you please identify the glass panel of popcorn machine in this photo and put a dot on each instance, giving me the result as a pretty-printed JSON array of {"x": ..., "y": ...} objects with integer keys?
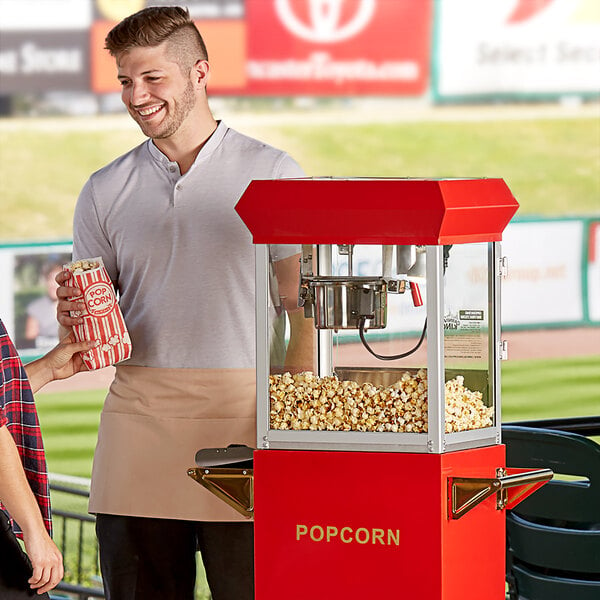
[
  {"x": 467, "y": 333},
  {"x": 291, "y": 335},
  {"x": 381, "y": 363},
  {"x": 367, "y": 303}
]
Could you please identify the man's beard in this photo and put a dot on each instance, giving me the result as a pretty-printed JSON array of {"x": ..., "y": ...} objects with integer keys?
[{"x": 172, "y": 121}]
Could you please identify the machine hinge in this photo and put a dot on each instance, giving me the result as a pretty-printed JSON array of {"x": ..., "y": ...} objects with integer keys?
[
  {"x": 431, "y": 448},
  {"x": 503, "y": 267},
  {"x": 503, "y": 350}
]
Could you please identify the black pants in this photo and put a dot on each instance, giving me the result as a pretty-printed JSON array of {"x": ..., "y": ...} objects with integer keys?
[
  {"x": 147, "y": 559},
  {"x": 15, "y": 567}
]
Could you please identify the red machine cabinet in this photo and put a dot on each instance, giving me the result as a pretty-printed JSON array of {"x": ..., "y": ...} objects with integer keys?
[{"x": 362, "y": 525}]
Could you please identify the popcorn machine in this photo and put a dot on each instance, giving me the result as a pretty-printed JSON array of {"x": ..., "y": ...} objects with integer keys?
[{"x": 379, "y": 470}]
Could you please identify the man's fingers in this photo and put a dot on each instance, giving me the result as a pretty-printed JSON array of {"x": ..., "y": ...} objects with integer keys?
[
  {"x": 67, "y": 321},
  {"x": 64, "y": 292},
  {"x": 63, "y": 312},
  {"x": 50, "y": 579},
  {"x": 43, "y": 579},
  {"x": 55, "y": 577},
  {"x": 63, "y": 276},
  {"x": 69, "y": 305},
  {"x": 39, "y": 577}
]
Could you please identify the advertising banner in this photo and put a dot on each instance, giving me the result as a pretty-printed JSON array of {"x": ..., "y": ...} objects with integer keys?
[
  {"x": 28, "y": 294},
  {"x": 45, "y": 15},
  {"x": 115, "y": 10},
  {"x": 221, "y": 23},
  {"x": 544, "y": 282},
  {"x": 338, "y": 47},
  {"x": 517, "y": 48},
  {"x": 39, "y": 61}
]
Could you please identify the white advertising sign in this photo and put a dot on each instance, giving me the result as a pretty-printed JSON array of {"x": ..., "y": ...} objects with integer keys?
[
  {"x": 37, "y": 15},
  {"x": 28, "y": 294},
  {"x": 525, "y": 47},
  {"x": 544, "y": 280}
]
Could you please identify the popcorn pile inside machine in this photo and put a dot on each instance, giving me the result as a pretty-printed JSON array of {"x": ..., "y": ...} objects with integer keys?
[{"x": 379, "y": 470}]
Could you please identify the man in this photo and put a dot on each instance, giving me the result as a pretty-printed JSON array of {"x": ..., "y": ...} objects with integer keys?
[
  {"x": 40, "y": 326},
  {"x": 23, "y": 477},
  {"x": 162, "y": 217}
]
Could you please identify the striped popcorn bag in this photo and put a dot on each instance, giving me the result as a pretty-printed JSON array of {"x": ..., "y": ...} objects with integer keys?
[{"x": 102, "y": 317}]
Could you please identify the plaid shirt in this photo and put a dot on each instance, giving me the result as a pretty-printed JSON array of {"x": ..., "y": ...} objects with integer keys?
[{"x": 17, "y": 412}]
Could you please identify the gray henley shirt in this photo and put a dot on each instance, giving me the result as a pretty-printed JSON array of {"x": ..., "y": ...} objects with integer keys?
[{"x": 180, "y": 257}]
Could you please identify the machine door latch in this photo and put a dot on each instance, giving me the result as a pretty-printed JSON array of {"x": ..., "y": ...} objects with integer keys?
[
  {"x": 503, "y": 350},
  {"x": 503, "y": 267},
  {"x": 511, "y": 486}
]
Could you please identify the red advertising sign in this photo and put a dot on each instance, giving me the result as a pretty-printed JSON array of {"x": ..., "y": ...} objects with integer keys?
[{"x": 337, "y": 47}]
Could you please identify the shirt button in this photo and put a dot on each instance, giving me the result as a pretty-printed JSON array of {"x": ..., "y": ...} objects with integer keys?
[
  {"x": 178, "y": 187},
  {"x": 172, "y": 168}
]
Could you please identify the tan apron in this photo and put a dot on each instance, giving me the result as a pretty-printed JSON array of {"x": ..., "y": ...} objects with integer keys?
[{"x": 153, "y": 422}]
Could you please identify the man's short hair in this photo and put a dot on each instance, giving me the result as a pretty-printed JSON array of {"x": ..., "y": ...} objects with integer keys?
[{"x": 154, "y": 25}]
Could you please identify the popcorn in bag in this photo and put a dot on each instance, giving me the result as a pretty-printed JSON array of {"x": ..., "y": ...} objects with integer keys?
[{"x": 102, "y": 317}]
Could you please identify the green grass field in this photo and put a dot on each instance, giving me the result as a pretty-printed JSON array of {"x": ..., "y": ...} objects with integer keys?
[{"x": 551, "y": 165}]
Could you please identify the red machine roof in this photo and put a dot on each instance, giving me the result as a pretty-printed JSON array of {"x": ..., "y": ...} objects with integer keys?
[{"x": 376, "y": 211}]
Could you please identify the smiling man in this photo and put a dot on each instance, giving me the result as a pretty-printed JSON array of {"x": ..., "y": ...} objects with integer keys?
[{"x": 162, "y": 218}]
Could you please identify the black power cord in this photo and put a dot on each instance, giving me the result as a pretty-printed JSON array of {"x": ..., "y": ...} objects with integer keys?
[
  {"x": 361, "y": 333},
  {"x": 362, "y": 319}
]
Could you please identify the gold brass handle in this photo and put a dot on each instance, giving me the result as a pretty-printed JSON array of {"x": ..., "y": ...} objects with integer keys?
[
  {"x": 465, "y": 493},
  {"x": 233, "y": 486}
]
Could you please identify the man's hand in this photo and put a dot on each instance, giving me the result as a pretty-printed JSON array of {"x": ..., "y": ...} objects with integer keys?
[
  {"x": 18, "y": 498},
  {"x": 65, "y": 306},
  {"x": 61, "y": 362},
  {"x": 46, "y": 560},
  {"x": 64, "y": 360}
]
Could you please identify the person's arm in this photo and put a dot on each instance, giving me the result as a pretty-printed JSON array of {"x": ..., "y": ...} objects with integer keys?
[
  {"x": 61, "y": 362},
  {"x": 300, "y": 352},
  {"x": 89, "y": 241},
  {"x": 17, "y": 497}
]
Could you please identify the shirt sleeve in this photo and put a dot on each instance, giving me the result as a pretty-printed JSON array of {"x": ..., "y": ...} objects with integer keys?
[
  {"x": 288, "y": 168},
  {"x": 89, "y": 237}
]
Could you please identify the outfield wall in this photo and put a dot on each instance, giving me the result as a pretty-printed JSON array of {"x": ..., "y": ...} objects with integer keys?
[{"x": 553, "y": 277}]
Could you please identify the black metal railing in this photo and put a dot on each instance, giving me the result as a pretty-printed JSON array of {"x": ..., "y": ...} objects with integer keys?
[{"x": 74, "y": 534}]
